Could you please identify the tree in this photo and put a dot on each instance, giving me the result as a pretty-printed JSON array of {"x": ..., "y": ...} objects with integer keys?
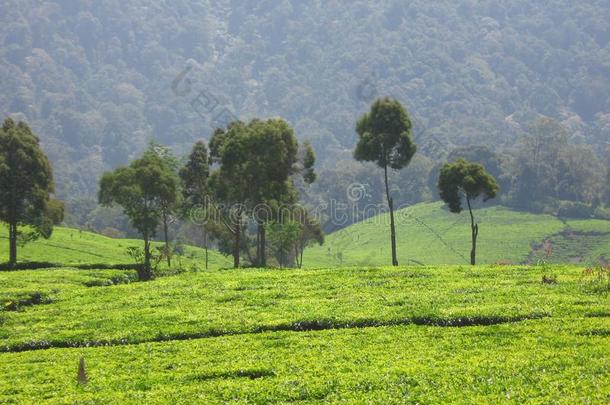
[
  {"x": 195, "y": 191},
  {"x": 465, "y": 180},
  {"x": 229, "y": 183},
  {"x": 26, "y": 186},
  {"x": 385, "y": 138},
  {"x": 143, "y": 188},
  {"x": 258, "y": 163},
  {"x": 271, "y": 161},
  {"x": 169, "y": 207},
  {"x": 310, "y": 232},
  {"x": 284, "y": 236}
]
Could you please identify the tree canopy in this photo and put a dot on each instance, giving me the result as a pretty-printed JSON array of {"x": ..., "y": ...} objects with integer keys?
[
  {"x": 463, "y": 180},
  {"x": 26, "y": 186},
  {"x": 142, "y": 189},
  {"x": 385, "y": 138}
]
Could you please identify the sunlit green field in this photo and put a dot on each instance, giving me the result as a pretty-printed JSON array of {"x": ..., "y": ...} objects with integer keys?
[
  {"x": 429, "y": 234},
  {"x": 414, "y": 334},
  {"x": 382, "y": 335},
  {"x": 72, "y": 246}
]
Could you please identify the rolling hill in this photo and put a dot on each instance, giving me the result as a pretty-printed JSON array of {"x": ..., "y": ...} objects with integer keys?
[
  {"x": 69, "y": 246},
  {"x": 426, "y": 234},
  {"x": 429, "y": 234}
]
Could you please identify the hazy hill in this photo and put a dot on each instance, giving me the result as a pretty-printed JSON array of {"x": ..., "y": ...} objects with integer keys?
[{"x": 94, "y": 77}]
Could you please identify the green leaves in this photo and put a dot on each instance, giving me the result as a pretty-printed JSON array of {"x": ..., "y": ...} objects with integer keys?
[
  {"x": 194, "y": 175},
  {"x": 464, "y": 179},
  {"x": 385, "y": 135},
  {"x": 144, "y": 189},
  {"x": 141, "y": 189},
  {"x": 26, "y": 184}
]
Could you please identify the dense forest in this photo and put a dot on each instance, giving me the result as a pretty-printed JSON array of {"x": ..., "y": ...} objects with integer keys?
[{"x": 528, "y": 82}]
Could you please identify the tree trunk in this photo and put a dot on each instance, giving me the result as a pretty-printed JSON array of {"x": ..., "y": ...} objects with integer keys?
[
  {"x": 475, "y": 233},
  {"x": 145, "y": 272},
  {"x": 205, "y": 243},
  {"x": 13, "y": 244},
  {"x": 237, "y": 246},
  {"x": 165, "y": 232},
  {"x": 298, "y": 254},
  {"x": 258, "y": 246},
  {"x": 263, "y": 245},
  {"x": 392, "y": 225}
]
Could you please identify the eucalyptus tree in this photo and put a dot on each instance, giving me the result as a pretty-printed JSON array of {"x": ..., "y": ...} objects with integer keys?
[
  {"x": 194, "y": 178},
  {"x": 385, "y": 138},
  {"x": 463, "y": 180},
  {"x": 169, "y": 207}
]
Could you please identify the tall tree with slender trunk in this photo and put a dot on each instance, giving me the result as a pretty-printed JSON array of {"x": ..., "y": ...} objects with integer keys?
[
  {"x": 385, "y": 138},
  {"x": 195, "y": 189},
  {"x": 169, "y": 206},
  {"x": 463, "y": 180},
  {"x": 26, "y": 187}
]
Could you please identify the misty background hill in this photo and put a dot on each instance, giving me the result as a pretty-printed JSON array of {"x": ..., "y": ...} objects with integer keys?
[{"x": 98, "y": 80}]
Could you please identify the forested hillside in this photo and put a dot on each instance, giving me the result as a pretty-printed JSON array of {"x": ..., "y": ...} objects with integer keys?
[{"x": 99, "y": 79}]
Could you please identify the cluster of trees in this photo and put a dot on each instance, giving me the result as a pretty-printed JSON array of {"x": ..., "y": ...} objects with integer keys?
[
  {"x": 244, "y": 186},
  {"x": 93, "y": 77}
]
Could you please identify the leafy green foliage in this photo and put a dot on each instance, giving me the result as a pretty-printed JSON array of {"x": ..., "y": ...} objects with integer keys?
[
  {"x": 26, "y": 185},
  {"x": 143, "y": 189},
  {"x": 385, "y": 138},
  {"x": 283, "y": 237},
  {"x": 385, "y": 135},
  {"x": 258, "y": 163},
  {"x": 464, "y": 180},
  {"x": 194, "y": 176}
]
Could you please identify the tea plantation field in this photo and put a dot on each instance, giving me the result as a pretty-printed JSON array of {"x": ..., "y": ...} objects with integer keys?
[
  {"x": 489, "y": 334},
  {"x": 69, "y": 246},
  {"x": 429, "y": 234}
]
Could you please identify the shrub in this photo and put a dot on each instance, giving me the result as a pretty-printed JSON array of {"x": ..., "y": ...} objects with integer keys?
[
  {"x": 599, "y": 277},
  {"x": 27, "y": 266},
  {"x": 573, "y": 209}
]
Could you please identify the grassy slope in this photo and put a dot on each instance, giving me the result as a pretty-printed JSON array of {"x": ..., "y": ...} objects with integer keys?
[
  {"x": 426, "y": 234},
  {"x": 71, "y": 246},
  {"x": 561, "y": 357},
  {"x": 429, "y": 234}
]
